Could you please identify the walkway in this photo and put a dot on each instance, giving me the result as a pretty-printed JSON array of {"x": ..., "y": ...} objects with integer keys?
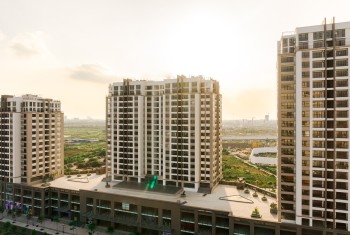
[{"x": 51, "y": 227}]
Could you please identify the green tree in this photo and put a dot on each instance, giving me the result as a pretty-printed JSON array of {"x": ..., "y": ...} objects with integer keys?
[
  {"x": 29, "y": 215},
  {"x": 23, "y": 231},
  {"x": 56, "y": 218},
  {"x": 14, "y": 229},
  {"x": 225, "y": 152},
  {"x": 2, "y": 209},
  {"x": 110, "y": 230},
  {"x": 7, "y": 228},
  {"x": 91, "y": 228}
]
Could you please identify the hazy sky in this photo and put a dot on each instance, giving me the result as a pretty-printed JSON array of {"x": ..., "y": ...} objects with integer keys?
[{"x": 71, "y": 50}]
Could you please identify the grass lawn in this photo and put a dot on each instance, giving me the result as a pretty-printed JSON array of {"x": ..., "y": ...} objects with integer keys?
[{"x": 233, "y": 168}]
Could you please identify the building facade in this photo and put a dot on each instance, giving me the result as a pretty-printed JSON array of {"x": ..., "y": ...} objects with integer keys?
[
  {"x": 31, "y": 139},
  {"x": 167, "y": 129},
  {"x": 313, "y": 127}
]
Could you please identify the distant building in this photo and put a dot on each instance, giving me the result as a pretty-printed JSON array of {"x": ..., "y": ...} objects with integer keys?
[
  {"x": 170, "y": 129},
  {"x": 313, "y": 127},
  {"x": 31, "y": 138},
  {"x": 267, "y": 118}
]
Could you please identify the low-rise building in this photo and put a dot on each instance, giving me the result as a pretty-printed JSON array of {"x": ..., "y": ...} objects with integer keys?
[{"x": 162, "y": 210}]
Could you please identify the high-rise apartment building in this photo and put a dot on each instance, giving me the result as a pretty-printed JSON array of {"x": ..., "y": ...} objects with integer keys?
[
  {"x": 313, "y": 127},
  {"x": 170, "y": 130},
  {"x": 31, "y": 139}
]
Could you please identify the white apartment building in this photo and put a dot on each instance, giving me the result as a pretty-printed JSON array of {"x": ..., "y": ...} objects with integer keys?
[
  {"x": 313, "y": 127},
  {"x": 31, "y": 139},
  {"x": 167, "y": 129}
]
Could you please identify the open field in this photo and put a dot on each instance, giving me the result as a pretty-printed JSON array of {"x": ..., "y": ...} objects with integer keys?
[
  {"x": 83, "y": 155},
  {"x": 89, "y": 133},
  {"x": 233, "y": 168},
  {"x": 79, "y": 155},
  {"x": 250, "y": 131}
]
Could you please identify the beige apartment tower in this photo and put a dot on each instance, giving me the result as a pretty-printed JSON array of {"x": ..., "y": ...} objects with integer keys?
[
  {"x": 31, "y": 139},
  {"x": 313, "y": 127},
  {"x": 170, "y": 130}
]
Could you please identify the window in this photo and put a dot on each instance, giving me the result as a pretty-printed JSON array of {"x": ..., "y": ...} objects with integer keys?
[
  {"x": 318, "y": 84},
  {"x": 318, "y": 35},
  {"x": 341, "y": 83},
  {"x": 318, "y": 134},
  {"x": 318, "y": 114},
  {"x": 287, "y": 69},
  {"x": 343, "y": 52},
  {"x": 305, "y": 84},
  {"x": 287, "y": 59},
  {"x": 318, "y": 44},
  {"x": 342, "y": 114},
  {"x": 318, "y": 124},
  {"x": 303, "y": 37},
  {"x": 305, "y": 64},
  {"x": 305, "y": 74},
  {"x": 343, "y": 93},
  {"x": 340, "y": 42},
  {"x": 317, "y": 74},
  {"x": 317, "y": 54},
  {"x": 303, "y": 45},
  {"x": 287, "y": 87},
  {"x": 317, "y": 64},
  {"x": 287, "y": 77},
  {"x": 340, "y": 63},
  {"x": 340, "y": 33},
  {"x": 341, "y": 73},
  {"x": 305, "y": 54},
  {"x": 318, "y": 94},
  {"x": 285, "y": 42},
  {"x": 342, "y": 124},
  {"x": 342, "y": 104}
]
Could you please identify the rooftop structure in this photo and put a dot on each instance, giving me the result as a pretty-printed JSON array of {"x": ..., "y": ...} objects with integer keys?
[{"x": 86, "y": 199}]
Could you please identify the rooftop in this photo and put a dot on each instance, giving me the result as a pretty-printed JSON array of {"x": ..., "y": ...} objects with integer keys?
[{"x": 223, "y": 198}]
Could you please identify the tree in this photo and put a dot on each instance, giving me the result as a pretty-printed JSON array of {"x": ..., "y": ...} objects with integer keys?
[
  {"x": 29, "y": 215},
  {"x": 40, "y": 218},
  {"x": 5, "y": 227},
  {"x": 56, "y": 218},
  {"x": 14, "y": 229},
  {"x": 14, "y": 214},
  {"x": 225, "y": 152},
  {"x": 33, "y": 232},
  {"x": 2, "y": 209},
  {"x": 91, "y": 227},
  {"x": 23, "y": 231},
  {"x": 110, "y": 230}
]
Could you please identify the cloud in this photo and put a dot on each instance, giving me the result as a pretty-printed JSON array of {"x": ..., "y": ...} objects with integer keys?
[
  {"x": 92, "y": 73},
  {"x": 29, "y": 44}
]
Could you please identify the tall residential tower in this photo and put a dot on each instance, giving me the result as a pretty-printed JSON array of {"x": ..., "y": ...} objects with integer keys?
[
  {"x": 313, "y": 128},
  {"x": 170, "y": 130},
  {"x": 31, "y": 139}
]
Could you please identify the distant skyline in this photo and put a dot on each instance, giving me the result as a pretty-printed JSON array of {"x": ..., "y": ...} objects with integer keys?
[{"x": 72, "y": 50}]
